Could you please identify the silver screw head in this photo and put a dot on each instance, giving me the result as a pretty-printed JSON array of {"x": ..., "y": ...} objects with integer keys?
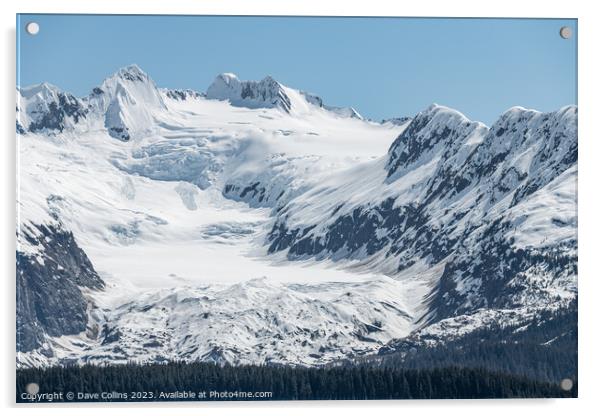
[{"x": 32, "y": 28}]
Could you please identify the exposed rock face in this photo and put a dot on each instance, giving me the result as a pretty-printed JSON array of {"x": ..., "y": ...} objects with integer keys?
[
  {"x": 437, "y": 131},
  {"x": 267, "y": 93},
  {"x": 124, "y": 104},
  {"x": 50, "y": 301},
  {"x": 475, "y": 205},
  {"x": 398, "y": 121},
  {"x": 346, "y": 112},
  {"x": 183, "y": 95},
  {"x": 313, "y": 99},
  {"x": 45, "y": 108},
  {"x": 20, "y": 128}
]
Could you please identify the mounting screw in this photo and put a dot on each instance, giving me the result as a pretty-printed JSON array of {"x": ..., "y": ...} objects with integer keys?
[
  {"x": 566, "y": 32},
  {"x": 32, "y": 28}
]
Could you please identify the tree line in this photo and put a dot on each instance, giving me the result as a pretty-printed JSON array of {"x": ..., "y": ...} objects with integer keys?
[
  {"x": 543, "y": 349},
  {"x": 288, "y": 383}
]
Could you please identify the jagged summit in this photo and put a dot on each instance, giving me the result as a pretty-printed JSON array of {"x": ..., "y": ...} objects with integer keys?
[
  {"x": 127, "y": 101},
  {"x": 267, "y": 93},
  {"x": 182, "y": 94},
  {"x": 44, "y": 89},
  {"x": 132, "y": 73},
  {"x": 438, "y": 110},
  {"x": 128, "y": 78},
  {"x": 516, "y": 116},
  {"x": 124, "y": 104},
  {"x": 433, "y": 129},
  {"x": 396, "y": 121},
  {"x": 44, "y": 107}
]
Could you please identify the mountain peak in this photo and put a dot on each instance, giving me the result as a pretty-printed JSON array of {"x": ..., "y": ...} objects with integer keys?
[
  {"x": 132, "y": 73},
  {"x": 227, "y": 77},
  {"x": 269, "y": 79},
  {"x": 433, "y": 129},
  {"x": 396, "y": 121},
  {"x": 46, "y": 107},
  {"x": 518, "y": 112},
  {"x": 267, "y": 93},
  {"x": 126, "y": 100},
  {"x": 44, "y": 89},
  {"x": 441, "y": 111}
]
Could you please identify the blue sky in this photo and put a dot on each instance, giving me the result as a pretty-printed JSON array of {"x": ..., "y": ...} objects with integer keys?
[{"x": 384, "y": 67}]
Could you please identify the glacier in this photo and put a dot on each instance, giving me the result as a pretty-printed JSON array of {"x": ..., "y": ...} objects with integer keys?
[{"x": 253, "y": 223}]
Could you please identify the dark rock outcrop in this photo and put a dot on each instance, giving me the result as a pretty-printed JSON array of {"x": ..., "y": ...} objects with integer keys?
[{"x": 50, "y": 301}]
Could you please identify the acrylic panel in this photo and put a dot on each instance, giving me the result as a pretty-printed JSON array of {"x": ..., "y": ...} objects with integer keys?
[{"x": 295, "y": 208}]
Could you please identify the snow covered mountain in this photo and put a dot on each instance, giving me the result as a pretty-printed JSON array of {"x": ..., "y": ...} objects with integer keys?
[
  {"x": 124, "y": 105},
  {"x": 45, "y": 108},
  {"x": 399, "y": 121},
  {"x": 268, "y": 93},
  {"x": 127, "y": 102},
  {"x": 255, "y": 224},
  {"x": 492, "y": 209}
]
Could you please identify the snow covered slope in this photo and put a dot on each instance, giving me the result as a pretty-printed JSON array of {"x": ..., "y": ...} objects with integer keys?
[
  {"x": 256, "y": 224},
  {"x": 494, "y": 208},
  {"x": 158, "y": 213}
]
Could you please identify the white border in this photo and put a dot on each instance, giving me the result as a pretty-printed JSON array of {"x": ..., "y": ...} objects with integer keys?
[{"x": 590, "y": 203}]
